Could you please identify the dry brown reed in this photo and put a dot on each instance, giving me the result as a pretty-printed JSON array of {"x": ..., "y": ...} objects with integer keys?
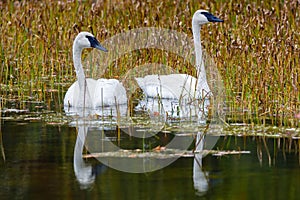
[{"x": 257, "y": 49}]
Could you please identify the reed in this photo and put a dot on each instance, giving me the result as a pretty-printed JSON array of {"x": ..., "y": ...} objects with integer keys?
[{"x": 256, "y": 49}]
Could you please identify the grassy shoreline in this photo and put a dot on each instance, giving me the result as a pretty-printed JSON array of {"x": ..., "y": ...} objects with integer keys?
[{"x": 256, "y": 49}]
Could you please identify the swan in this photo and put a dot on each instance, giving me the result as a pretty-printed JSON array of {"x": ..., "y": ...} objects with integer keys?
[
  {"x": 182, "y": 86},
  {"x": 87, "y": 92}
]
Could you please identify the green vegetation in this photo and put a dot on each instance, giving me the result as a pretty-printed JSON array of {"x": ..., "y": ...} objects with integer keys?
[{"x": 256, "y": 49}]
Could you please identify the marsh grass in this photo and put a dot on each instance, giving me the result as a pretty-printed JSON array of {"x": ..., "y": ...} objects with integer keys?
[{"x": 256, "y": 50}]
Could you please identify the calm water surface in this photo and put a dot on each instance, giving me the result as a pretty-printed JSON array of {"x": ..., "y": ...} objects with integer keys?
[{"x": 39, "y": 165}]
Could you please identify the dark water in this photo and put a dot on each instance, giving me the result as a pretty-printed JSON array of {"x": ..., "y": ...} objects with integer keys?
[{"x": 39, "y": 165}]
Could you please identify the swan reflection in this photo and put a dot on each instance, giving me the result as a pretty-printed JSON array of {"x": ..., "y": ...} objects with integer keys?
[
  {"x": 175, "y": 109},
  {"x": 105, "y": 111},
  {"x": 86, "y": 172},
  {"x": 91, "y": 131},
  {"x": 200, "y": 178},
  {"x": 83, "y": 171}
]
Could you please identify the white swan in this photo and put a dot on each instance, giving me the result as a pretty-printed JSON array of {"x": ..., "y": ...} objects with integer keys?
[
  {"x": 87, "y": 92},
  {"x": 182, "y": 86}
]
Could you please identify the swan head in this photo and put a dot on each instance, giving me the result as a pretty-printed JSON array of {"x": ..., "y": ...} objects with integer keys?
[
  {"x": 87, "y": 40},
  {"x": 203, "y": 16}
]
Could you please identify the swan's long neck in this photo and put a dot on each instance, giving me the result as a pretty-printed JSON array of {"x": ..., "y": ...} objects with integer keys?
[
  {"x": 198, "y": 52},
  {"x": 84, "y": 95},
  {"x": 78, "y": 66}
]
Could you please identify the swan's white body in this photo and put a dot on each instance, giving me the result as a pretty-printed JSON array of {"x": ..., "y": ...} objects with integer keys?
[
  {"x": 182, "y": 86},
  {"x": 173, "y": 86},
  {"x": 87, "y": 92},
  {"x": 101, "y": 92}
]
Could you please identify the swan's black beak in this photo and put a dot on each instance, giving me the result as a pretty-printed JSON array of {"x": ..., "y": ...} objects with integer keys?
[
  {"x": 96, "y": 44},
  {"x": 211, "y": 18}
]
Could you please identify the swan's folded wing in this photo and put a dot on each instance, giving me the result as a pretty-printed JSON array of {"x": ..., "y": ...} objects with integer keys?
[
  {"x": 109, "y": 92},
  {"x": 173, "y": 86}
]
